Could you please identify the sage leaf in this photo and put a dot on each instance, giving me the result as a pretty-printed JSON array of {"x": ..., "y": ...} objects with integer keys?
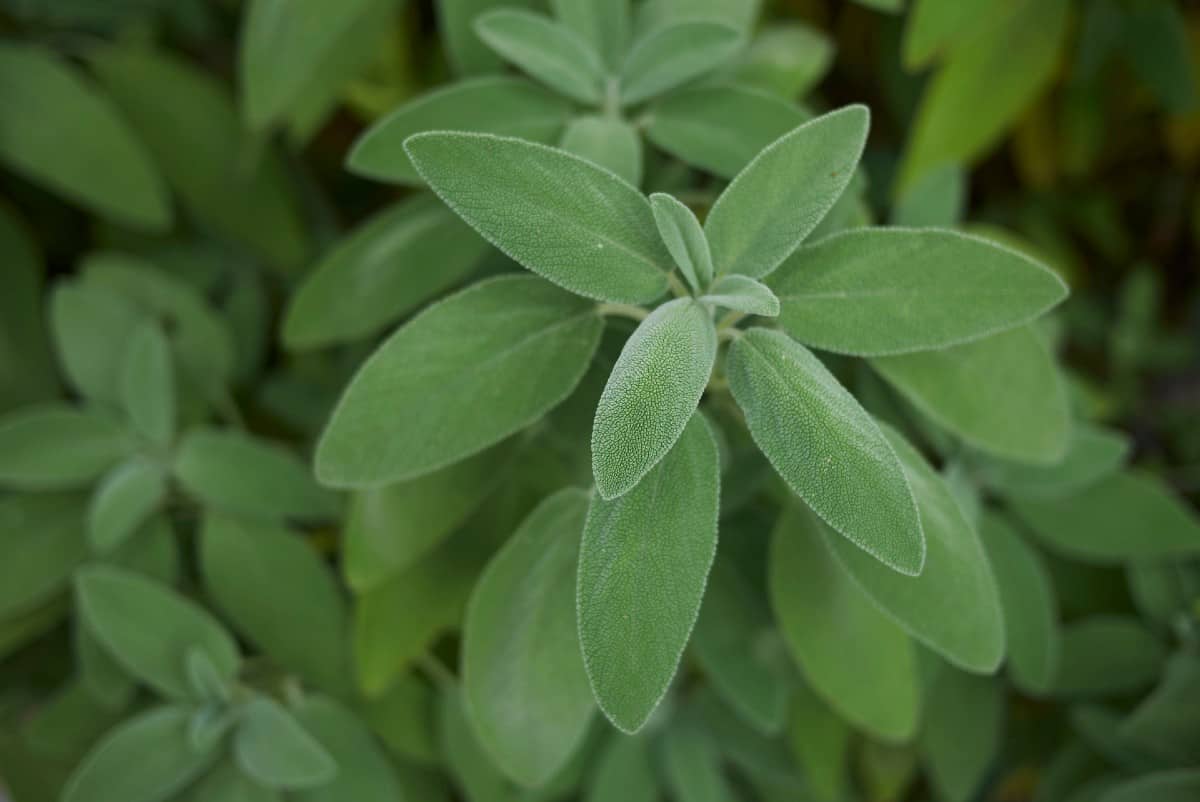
[
  {"x": 92, "y": 326},
  {"x": 542, "y": 203},
  {"x": 1177, "y": 785},
  {"x": 124, "y": 500},
  {"x": 604, "y": 25},
  {"x": 227, "y": 783},
  {"x": 467, "y": 54},
  {"x": 148, "y": 628},
  {"x": 1107, "y": 655},
  {"x": 938, "y": 198},
  {"x": 380, "y": 272},
  {"x": 53, "y": 446},
  {"x": 781, "y": 196},
  {"x": 957, "y": 576},
  {"x": 510, "y": 331},
  {"x": 546, "y": 50},
  {"x": 364, "y": 773},
  {"x": 277, "y": 591},
  {"x": 1126, "y": 516},
  {"x": 787, "y": 59},
  {"x": 273, "y": 747},
  {"x": 651, "y": 393},
  {"x": 524, "y": 683},
  {"x": 623, "y": 773},
  {"x": 608, "y": 142},
  {"x": 145, "y": 759},
  {"x": 148, "y": 384},
  {"x": 880, "y": 291},
  {"x": 932, "y": 26},
  {"x": 93, "y": 158},
  {"x": 670, "y": 55},
  {"x": 1157, "y": 46},
  {"x": 820, "y": 740},
  {"x": 684, "y": 237},
  {"x": 720, "y": 128},
  {"x": 27, "y": 369},
  {"x": 870, "y": 678},
  {"x": 495, "y": 104},
  {"x": 643, "y": 564},
  {"x": 1029, "y": 603},
  {"x": 42, "y": 538},
  {"x": 234, "y": 472},
  {"x": 1162, "y": 723},
  {"x": 475, "y": 776},
  {"x": 1093, "y": 453},
  {"x": 692, "y": 765},
  {"x": 960, "y": 734},
  {"x": 1003, "y": 395},
  {"x": 826, "y": 447},
  {"x": 742, "y": 294}
]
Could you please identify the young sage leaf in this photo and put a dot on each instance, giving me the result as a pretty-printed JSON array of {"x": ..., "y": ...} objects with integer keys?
[
  {"x": 742, "y": 294},
  {"x": 147, "y": 384},
  {"x": 547, "y": 50},
  {"x": 274, "y": 748},
  {"x": 671, "y": 55},
  {"x": 364, "y": 773},
  {"x": 53, "y": 446},
  {"x": 127, "y": 496},
  {"x": 92, "y": 326},
  {"x": 603, "y": 24},
  {"x": 607, "y": 141},
  {"x": 684, "y": 237}
]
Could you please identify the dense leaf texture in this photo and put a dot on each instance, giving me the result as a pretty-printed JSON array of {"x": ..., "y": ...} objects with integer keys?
[
  {"x": 642, "y": 569},
  {"x": 826, "y": 447},
  {"x": 608, "y": 142},
  {"x": 853, "y": 655},
  {"x": 57, "y": 446},
  {"x": 274, "y": 749},
  {"x": 547, "y": 50},
  {"x": 781, "y": 196},
  {"x": 557, "y": 214},
  {"x": 743, "y": 294},
  {"x": 523, "y": 677},
  {"x": 684, "y": 237},
  {"x": 671, "y": 55},
  {"x": 878, "y": 291},
  {"x": 414, "y": 406},
  {"x": 651, "y": 393}
]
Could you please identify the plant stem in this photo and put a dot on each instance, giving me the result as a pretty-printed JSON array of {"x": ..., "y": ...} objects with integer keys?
[{"x": 622, "y": 310}]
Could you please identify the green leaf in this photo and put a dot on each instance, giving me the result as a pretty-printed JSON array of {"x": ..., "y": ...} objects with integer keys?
[
  {"x": 826, "y": 447},
  {"x": 1107, "y": 655},
  {"x": 960, "y": 734},
  {"x": 608, "y": 142},
  {"x": 604, "y": 24},
  {"x": 882, "y": 291},
  {"x": 50, "y": 446},
  {"x": 511, "y": 331},
  {"x": 237, "y": 473},
  {"x": 643, "y": 564},
  {"x": 524, "y": 683},
  {"x": 820, "y": 741},
  {"x": 27, "y": 370},
  {"x": 41, "y": 540},
  {"x": 1179, "y": 785},
  {"x": 464, "y": 50},
  {"x": 1003, "y": 395},
  {"x": 623, "y": 773},
  {"x": 541, "y": 203},
  {"x": 691, "y": 765},
  {"x": 278, "y": 592},
  {"x": 1029, "y": 605},
  {"x": 123, "y": 501},
  {"x": 781, "y": 196},
  {"x": 547, "y": 50},
  {"x": 671, "y": 55},
  {"x": 227, "y": 783},
  {"x": 274, "y": 748},
  {"x": 787, "y": 59},
  {"x": 494, "y": 104},
  {"x": 739, "y": 14},
  {"x": 92, "y": 326},
  {"x": 938, "y": 198},
  {"x": 742, "y": 294},
  {"x": 651, "y": 393},
  {"x": 148, "y": 628},
  {"x": 1093, "y": 453},
  {"x": 870, "y": 678},
  {"x": 380, "y": 272},
  {"x": 471, "y": 770},
  {"x": 148, "y": 384},
  {"x": 935, "y": 24},
  {"x": 953, "y": 605},
  {"x": 1164, "y": 723},
  {"x": 1128, "y": 515},
  {"x": 720, "y": 128},
  {"x": 364, "y": 773},
  {"x": 145, "y": 759},
  {"x": 1155, "y": 40},
  {"x": 684, "y": 237},
  {"x": 93, "y": 158},
  {"x": 403, "y": 719}
]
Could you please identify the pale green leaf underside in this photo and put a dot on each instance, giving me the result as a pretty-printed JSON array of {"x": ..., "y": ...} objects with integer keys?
[
  {"x": 147, "y": 384},
  {"x": 684, "y": 237},
  {"x": 609, "y": 142},
  {"x": 126, "y": 497},
  {"x": 742, "y": 294},
  {"x": 546, "y": 50}
]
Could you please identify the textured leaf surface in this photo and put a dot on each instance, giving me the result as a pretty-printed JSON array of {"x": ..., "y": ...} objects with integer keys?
[
  {"x": 782, "y": 194},
  {"x": 1107, "y": 655},
  {"x": 643, "y": 564},
  {"x": 123, "y": 501},
  {"x": 1003, "y": 394},
  {"x": 826, "y": 447},
  {"x": 273, "y": 748},
  {"x": 743, "y": 294},
  {"x": 878, "y": 291},
  {"x": 960, "y": 734},
  {"x": 870, "y": 677},
  {"x": 58, "y": 446},
  {"x": 953, "y": 606},
  {"x": 651, "y": 393},
  {"x": 1093, "y": 453},
  {"x": 684, "y": 237},
  {"x": 671, "y": 55},
  {"x": 607, "y": 141},
  {"x": 525, "y": 686},
  {"x": 545, "y": 49},
  {"x": 515, "y": 333}
]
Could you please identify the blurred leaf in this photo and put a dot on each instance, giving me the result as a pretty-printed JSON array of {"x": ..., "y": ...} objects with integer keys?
[
  {"x": 92, "y": 327},
  {"x": 27, "y": 370},
  {"x": 1164, "y": 723},
  {"x": 546, "y": 50},
  {"x": 960, "y": 734},
  {"x": 41, "y": 541},
  {"x": 403, "y": 719},
  {"x": 1164, "y": 786},
  {"x": 787, "y": 58},
  {"x": 471, "y": 770},
  {"x": 938, "y": 198},
  {"x": 604, "y": 24},
  {"x": 54, "y": 446},
  {"x": 364, "y": 774},
  {"x": 227, "y": 783},
  {"x": 1106, "y": 656},
  {"x": 936, "y": 25},
  {"x": 147, "y": 384},
  {"x": 608, "y": 142},
  {"x": 820, "y": 741},
  {"x": 272, "y": 747},
  {"x": 1093, "y": 453},
  {"x": 124, "y": 500},
  {"x": 692, "y": 765},
  {"x": 1155, "y": 40},
  {"x": 670, "y": 55},
  {"x": 623, "y": 772},
  {"x": 464, "y": 49}
]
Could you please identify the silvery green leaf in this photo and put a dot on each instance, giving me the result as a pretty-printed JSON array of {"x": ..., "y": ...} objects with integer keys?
[
  {"x": 147, "y": 384},
  {"x": 826, "y": 447},
  {"x": 604, "y": 24},
  {"x": 524, "y": 683},
  {"x": 742, "y": 294},
  {"x": 1003, "y": 394},
  {"x": 720, "y": 128},
  {"x": 547, "y": 50},
  {"x": 271, "y": 746},
  {"x": 381, "y": 271},
  {"x": 43, "y": 540},
  {"x": 52, "y": 446},
  {"x": 1107, "y": 655},
  {"x": 651, "y": 393},
  {"x": 147, "y": 758},
  {"x": 148, "y": 628},
  {"x": 786, "y": 58},
  {"x": 517, "y": 332},
  {"x": 122, "y": 502},
  {"x": 541, "y": 203},
  {"x": 92, "y": 326},
  {"x": 205, "y": 678},
  {"x": 781, "y": 196},
  {"x": 953, "y": 605},
  {"x": 1093, "y": 453},
  {"x": 364, "y": 773},
  {"x": 882, "y": 291},
  {"x": 684, "y": 237},
  {"x": 495, "y": 104},
  {"x": 670, "y": 55},
  {"x": 960, "y": 733},
  {"x": 608, "y": 142},
  {"x": 870, "y": 678},
  {"x": 643, "y": 564}
]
